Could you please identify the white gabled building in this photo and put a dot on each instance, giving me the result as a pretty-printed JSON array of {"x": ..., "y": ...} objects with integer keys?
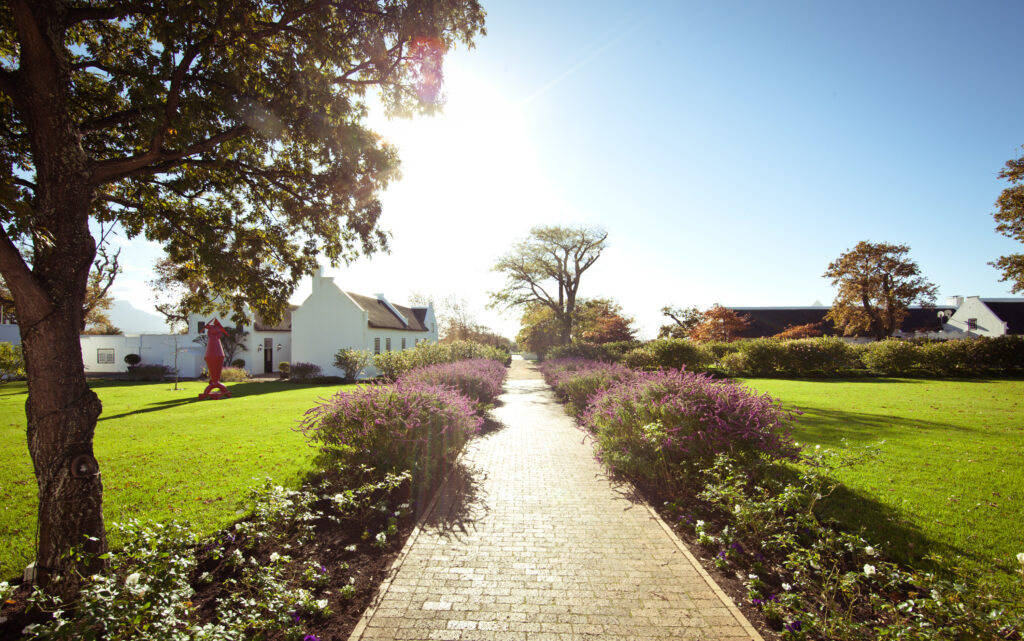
[
  {"x": 976, "y": 316},
  {"x": 331, "y": 319}
]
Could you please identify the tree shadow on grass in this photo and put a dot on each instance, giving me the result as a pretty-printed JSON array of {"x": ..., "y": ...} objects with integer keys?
[
  {"x": 238, "y": 390},
  {"x": 832, "y": 427}
]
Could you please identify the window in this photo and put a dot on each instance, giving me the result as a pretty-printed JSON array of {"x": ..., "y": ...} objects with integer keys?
[
  {"x": 105, "y": 355},
  {"x": 972, "y": 323},
  {"x": 376, "y": 346},
  {"x": 200, "y": 327},
  {"x": 387, "y": 343},
  {"x": 403, "y": 344}
]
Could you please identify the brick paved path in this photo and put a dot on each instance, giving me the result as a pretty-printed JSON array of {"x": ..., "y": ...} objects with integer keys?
[{"x": 529, "y": 541}]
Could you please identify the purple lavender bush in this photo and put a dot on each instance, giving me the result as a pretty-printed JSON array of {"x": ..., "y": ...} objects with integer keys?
[
  {"x": 575, "y": 387},
  {"x": 555, "y": 369},
  {"x": 409, "y": 425},
  {"x": 479, "y": 379},
  {"x": 665, "y": 425}
]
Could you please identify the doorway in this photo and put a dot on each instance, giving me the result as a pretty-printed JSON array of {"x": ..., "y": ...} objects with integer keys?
[{"x": 268, "y": 355}]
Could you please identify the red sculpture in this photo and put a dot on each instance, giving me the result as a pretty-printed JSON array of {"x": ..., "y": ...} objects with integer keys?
[{"x": 214, "y": 361}]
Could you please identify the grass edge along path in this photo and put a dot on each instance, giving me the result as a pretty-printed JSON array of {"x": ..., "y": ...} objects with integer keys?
[
  {"x": 949, "y": 474},
  {"x": 164, "y": 454}
]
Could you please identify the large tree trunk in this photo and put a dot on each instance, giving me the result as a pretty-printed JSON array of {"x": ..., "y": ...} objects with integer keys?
[{"x": 61, "y": 409}]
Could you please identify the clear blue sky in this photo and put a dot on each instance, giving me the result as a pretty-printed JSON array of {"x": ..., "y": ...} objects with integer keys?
[{"x": 731, "y": 149}]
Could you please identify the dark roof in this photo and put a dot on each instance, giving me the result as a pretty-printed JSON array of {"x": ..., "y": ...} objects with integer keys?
[
  {"x": 383, "y": 318},
  {"x": 769, "y": 321},
  {"x": 1012, "y": 312},
  {"x": 260, "y": 325}
]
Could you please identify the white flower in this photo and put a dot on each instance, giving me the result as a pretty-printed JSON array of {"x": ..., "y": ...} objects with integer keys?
[
  {"x": 787, "y": 587},
  {"x": 1020, "y": 557},
  {"x": 700, "y": 524},
  {"x": 132, "y": 579},
  {"x": 869, "y": 570},
  {"x": 817, "y": 447},
  {"x": 870, "y": 550},
  {"x": 274, "y": 556},
  {"x": 737, "y": 508},
  {"x": 752, "y": 577},
  {"x": 321, "y": 604}
]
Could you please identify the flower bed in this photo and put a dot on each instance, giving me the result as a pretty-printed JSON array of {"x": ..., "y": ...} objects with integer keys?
[{"x": 479, "y": 379}]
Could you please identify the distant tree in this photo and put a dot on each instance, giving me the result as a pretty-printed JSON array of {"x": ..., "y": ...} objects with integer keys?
[
  {"x": 103, "y": 328},
  {"x": 539, "y": 330},
  {"x": 12, "y": 362},
  {"x": 600, "y": 320},
  {"x": 232, "y": 342},
  {"x": 808, "y": 330},
  {"x": 877, "y": 282},
  {"x": 457, "y": 322},
  {"x": 546, "y": 268},
  {"x": 232, "y": 133},
  {"x": 1010, "y": 216},
  {"x": 719, "y": 324},
  {"x": 683, "y": 320}
]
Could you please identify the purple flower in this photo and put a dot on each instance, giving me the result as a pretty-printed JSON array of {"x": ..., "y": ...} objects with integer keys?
[
  {"x": 793, "y": 626},
  {"x": 310, "y": 637},
  {"x": 296, "y": 617}
]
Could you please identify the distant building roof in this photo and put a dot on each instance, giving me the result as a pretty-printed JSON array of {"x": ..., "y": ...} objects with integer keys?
[
  {"x": 1011, "y": 311},
  {"x": 769, "y": 321},
  {"x": 260, "y": 325},
  {"x": 382, "y": 317}
]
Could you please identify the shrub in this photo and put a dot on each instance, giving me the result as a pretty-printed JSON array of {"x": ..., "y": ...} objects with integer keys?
[
  {"x": 719, "y": 349},
  {"x": 891, "y": 357},
  {"x": 679, "y": 353},
  {"x": 394, "y": 364},
  {"x": 303, "y": 371},
  {"x": 640, "y": 358},
  {"x": 12, "y": 362},
  {"x": 284, "y": 367},
  {"x": 617, "y": 350},
  {"x": 352, "y": 362},
  {"x": 238, "y": 362},
  {"x": 132, "y": 359},
  {"x": 577, "y": 386},
  {"x": 478, "y": 379},
  {"x": 406, "y": 426},
  {"x": 588, "y": 351},
  {"x": 233, "y": 374},
  {"x": 552, "y": 370},
  {"x": 1001, "y": 353},
  {"x": 149, "y": 372},
  {"x": 827, "y": 354},
  {"x": 665, "y": 425},
  {"x": 735, "y": 364}
]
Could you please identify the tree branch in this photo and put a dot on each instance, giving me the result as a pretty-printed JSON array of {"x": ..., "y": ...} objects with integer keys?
[{"x": 154, "y": 162}]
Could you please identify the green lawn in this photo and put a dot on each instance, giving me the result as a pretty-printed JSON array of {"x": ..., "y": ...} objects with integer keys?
[
  {"x": 163, "y": 454},
  {"x": 950, "y": 477}
]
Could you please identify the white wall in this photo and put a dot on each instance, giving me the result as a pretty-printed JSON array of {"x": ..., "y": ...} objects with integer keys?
[
  {"x": 10, "y": 334},
  {"x": 281, "y": 350},
  {"x": 155, "y": 349},
  {"x": 327, "y": 321},
  {"x": 988, "y": 323}
]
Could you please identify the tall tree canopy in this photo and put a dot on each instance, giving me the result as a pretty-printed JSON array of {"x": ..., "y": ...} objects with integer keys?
[
  {"x": 546, "y": 268},
  {"x": 1010, "y": 219},
  {"x": 877, "y": 282},
  {"x": 230, "y": 131}
]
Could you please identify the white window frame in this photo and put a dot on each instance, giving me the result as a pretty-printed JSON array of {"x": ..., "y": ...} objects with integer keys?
[
  {"x": 376, "y": 345},
  {"x": 102, "y": 353},
  {"x": 387, "y": 343}
]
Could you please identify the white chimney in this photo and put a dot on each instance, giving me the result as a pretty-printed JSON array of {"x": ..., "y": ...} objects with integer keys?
[
  {"x": 405, "y": 321},
  {"x": 955, "y": 301}
]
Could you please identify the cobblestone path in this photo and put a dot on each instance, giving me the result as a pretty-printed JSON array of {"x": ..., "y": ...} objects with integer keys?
[{"x": 530, "y": 541}]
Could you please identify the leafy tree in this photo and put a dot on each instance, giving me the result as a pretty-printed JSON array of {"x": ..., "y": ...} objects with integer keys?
[
  {"x": 546, "y": 268},
  {"x": 231, "y": 342},
  {"x": 719, "y": 324},
  {"x": 352, "y": 362},
  {"x": 539, "y": 330},
  {"x": 877, "y": 282},
  {"x": 1010, "y": 217},
  {"x": 457, "y": 322},
  {"x": 230, "y": 131},
  {"x": 12, "y": 362},
  {"x": 683, "y": 320},
  {"x": 600, "y": 320},
  {"x": 807, "y": 330}
]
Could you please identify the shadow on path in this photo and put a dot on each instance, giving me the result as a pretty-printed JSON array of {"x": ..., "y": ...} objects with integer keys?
[{"x": 460, "y": 505}]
